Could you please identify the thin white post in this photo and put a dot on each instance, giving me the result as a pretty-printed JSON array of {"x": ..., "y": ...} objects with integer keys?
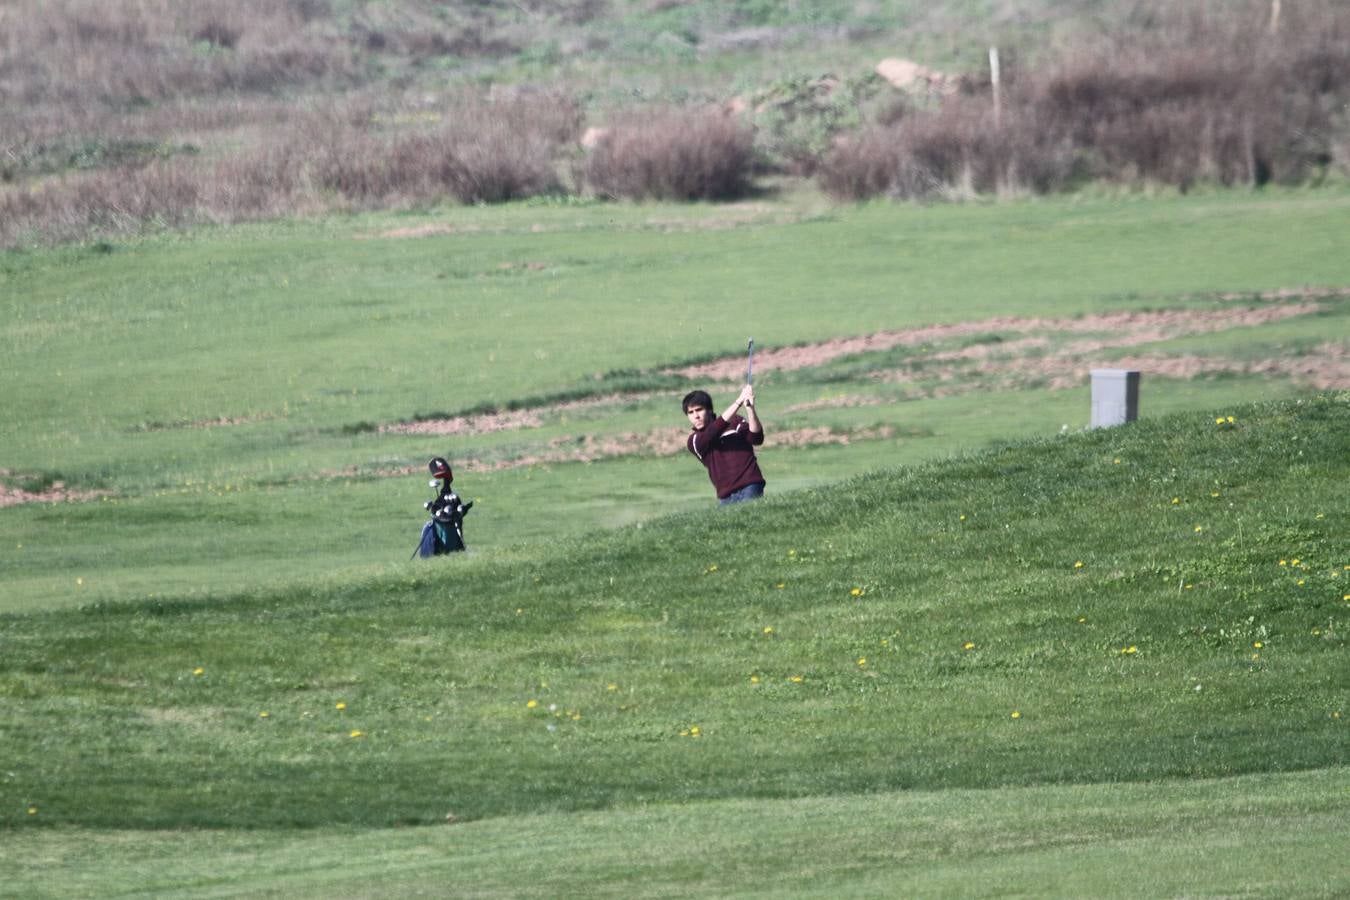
[{"x": 994, "y": 82}]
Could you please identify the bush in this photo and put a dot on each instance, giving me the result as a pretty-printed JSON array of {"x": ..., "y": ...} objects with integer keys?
[
  {"x": 797, "y": 120},
  {"x": 478, "y": 149},
  {"x": 958, "y": 150},
  {"x": 1210, "y": 95},
  {"x": 673, "y": 155}
]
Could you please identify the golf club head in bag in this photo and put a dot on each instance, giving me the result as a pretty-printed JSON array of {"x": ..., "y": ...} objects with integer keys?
[{"x": 444, "y": 533}]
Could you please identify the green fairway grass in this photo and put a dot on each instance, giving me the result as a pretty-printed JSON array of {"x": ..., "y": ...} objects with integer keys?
[
  {"x": 1161, "y": 601},
  {"x": 223, "y": 391},
  {"x": 1257, "y": 835}
]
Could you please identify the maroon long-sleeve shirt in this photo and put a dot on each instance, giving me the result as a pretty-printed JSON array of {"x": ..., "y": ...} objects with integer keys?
[{"x": 726, "y": 448}]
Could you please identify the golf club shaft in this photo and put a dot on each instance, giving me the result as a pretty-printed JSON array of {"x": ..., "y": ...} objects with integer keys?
[{"x": 750, "y": 362}]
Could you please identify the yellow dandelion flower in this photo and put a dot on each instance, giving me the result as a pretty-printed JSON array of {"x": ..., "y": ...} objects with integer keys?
[
  {"x": 796, "y": 679},
  {"x": 862, "y": 661},
  {"x": 264, "y": 714},
  {"x": 712, "y": 568},
  {"x": 963, "y": 517},
  {"x": 199, "y": 671},
  {"x": 1229, "y": 419},
  {"x": 1130, "y": 650},
  {"x": 611, "y": 686},
  {"x": 1219, "y": 420},
  {"x": 531, "y": 704},
  {"x": 576, "y": 717},
  {"x": 356, "y": 733},
  {"x": 1116, "y": 461},
  {"x": 968, "y": 645},
  {"x": 1082, "y": 619},
  {"x": 780, "y": 585},
  {"x": 339, "y": 706},
  {"x": 1078, "y": 565},
  {"x": 768, "y": 629},
  {"x": 79, "y": 581},
  {"x": 754, "y": 679},
  {"x": 1199, "y": 528},
  {"x": 1016, "y": 714},
  {"x": 1294, "y": 562},
  {"x": 694, "y": 731},
  {"x": 1258, "y": 645},
  {"x": 1176, "y": 501},
  {"x": 856, "y": 592},
  {"x": 1300, "y": 582},
  {"x": 32, "y": 810},
  {"x": 1214, "y": 493},
  {"x": 1284, "y": 562}
]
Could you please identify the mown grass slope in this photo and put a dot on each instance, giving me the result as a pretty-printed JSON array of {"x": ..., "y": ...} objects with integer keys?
[{"x": 1162, "y": 600}]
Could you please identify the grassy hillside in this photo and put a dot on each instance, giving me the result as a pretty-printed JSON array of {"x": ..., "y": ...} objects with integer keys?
[
  {"x": 225, "y": 400},
  {"x": 1161, "y": 601}
]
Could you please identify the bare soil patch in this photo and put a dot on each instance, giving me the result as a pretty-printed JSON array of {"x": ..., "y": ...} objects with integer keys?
[
  {"x": 663, "y": 442},
  {"x": 416, "y": 231},
  {"x": 509, "y": 420},
  {"x": 57, "y": 493}
]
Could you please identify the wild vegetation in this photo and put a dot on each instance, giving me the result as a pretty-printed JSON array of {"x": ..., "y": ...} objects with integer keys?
[{"x": 126, "y": 116}]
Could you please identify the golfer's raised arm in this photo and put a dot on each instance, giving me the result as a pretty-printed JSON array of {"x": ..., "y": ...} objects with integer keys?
[
  {"x": 736, "y": 404},
  {"x": 752, "y": 414}
]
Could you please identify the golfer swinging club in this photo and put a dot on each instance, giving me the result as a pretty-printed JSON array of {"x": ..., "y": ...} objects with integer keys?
[{"x": 726, "y": 444}]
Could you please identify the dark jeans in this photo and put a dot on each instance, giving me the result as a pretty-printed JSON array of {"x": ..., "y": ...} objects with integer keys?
[{"x": 749, "y": 492}]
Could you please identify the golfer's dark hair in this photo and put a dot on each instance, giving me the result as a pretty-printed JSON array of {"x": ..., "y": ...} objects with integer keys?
[{"x": 696, "y": 400}]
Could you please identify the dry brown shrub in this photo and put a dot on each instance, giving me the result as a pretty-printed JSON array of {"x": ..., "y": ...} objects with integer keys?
[
  {"x": 1207, "y": 94},
  {"x": 673, "y": 154},
  {"x": 471, "y": 149}
]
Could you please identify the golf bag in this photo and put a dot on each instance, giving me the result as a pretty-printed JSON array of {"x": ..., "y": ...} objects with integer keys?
[{"x": 444, "y": 533}]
